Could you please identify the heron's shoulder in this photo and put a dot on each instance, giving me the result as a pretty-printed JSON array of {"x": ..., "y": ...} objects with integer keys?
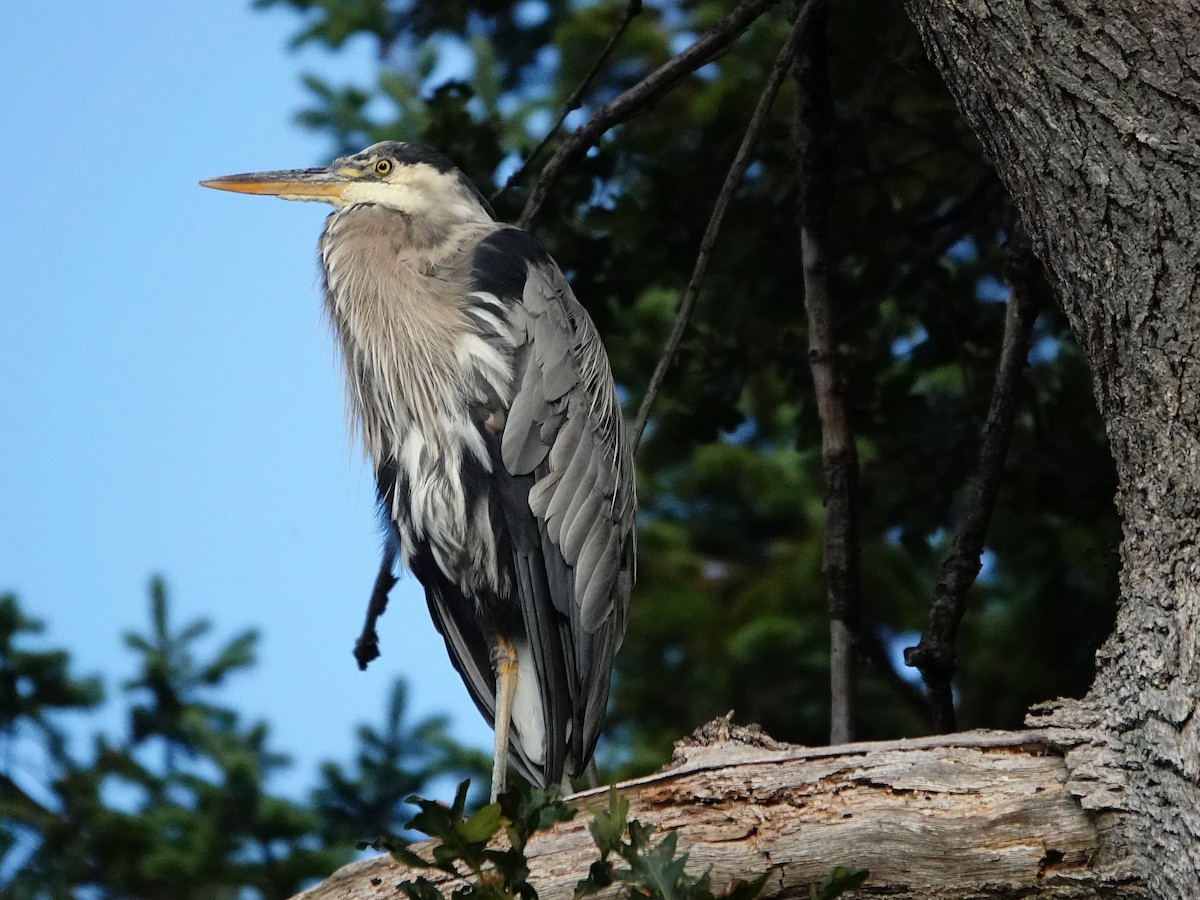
[
  {"x": 512, "y": 241},
  {"x": 503, "y": 259}
]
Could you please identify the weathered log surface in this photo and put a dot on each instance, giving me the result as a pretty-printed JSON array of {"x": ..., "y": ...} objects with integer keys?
[{"x": 979, "y": 814}]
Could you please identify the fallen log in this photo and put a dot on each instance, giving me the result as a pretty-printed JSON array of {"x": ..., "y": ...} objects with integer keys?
[{"x": 975, "y": 814}]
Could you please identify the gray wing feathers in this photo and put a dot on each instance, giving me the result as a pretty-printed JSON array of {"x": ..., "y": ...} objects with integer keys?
[
  {"x": 565, "y": 427},
  {"x": 558, "y": 371},
  {"x": 542, "y": 493},
  {"x": 564, "y": 445},
  {"x": 523, "y": 447},
  {"x": 601, "y": 556}
]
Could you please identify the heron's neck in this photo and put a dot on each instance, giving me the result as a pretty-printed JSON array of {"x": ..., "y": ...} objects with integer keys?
[
  {"x": 398, "y": 317},
  {"x": 434, "y": 232}
]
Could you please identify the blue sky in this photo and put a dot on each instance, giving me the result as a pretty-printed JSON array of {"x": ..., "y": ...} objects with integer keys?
[{"x": 171, "y": 400}]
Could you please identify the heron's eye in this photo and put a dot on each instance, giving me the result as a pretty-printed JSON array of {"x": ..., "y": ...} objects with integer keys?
[{"x": 383, "y": 167}]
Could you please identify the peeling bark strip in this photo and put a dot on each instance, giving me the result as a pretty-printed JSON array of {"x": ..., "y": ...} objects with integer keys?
[{"x": 980, "y": 814}]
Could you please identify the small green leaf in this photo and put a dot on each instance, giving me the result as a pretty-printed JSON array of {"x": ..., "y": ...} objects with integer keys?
[
  {"x": 608, "y": 826},
  {"x": 530, "y": 810},
  {"x": 553, "y": 812},
  {"x": 746, "y": 890},
  {"x": 459, "y": 806},
  {"x": 403, "y": 855},
  {"x": 657, "y": 869},
  {"x": 600, "y": 876},
  {"x": 510, "y": 865},
  {"x": 433, "y": 820},
  {"x": 420, "y": 889},
  {"x": 483, "y": 825},
  {"x": 444, "y": 857},
  {"x": 639, "y": 836},
  {"x": 379, "y": 843},
  {"x": 837, "y": 882}
]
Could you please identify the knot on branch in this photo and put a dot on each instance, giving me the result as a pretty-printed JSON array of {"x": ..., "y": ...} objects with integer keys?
[
  {"x": 930, "y": 659},
  {"x": 721, "y": 732}
]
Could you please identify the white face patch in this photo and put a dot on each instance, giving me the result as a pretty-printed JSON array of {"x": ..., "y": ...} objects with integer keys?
[
  {"x": 439, "y": 199},
  {"x": 405, "y": 197}
]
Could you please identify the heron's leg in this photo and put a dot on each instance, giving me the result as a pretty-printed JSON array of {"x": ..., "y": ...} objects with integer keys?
[{"x": 504, "y": 657}]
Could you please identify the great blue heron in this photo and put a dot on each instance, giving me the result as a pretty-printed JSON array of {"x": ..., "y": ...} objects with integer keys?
[{"x": 483, "y": 395}]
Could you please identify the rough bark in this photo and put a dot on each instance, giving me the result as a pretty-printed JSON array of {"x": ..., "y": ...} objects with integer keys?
[
  {"x": 980, "y": 814},
  {"x": 1091, "y": 115}
]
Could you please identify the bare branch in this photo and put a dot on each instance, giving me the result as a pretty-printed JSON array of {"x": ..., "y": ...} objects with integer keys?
[
  {"x": 366, "y": 648},
  {"x": 707, "y": 47},
  {"x": 632, "y": 11},
  {"x": 811, "y": 131},
  {"x": 737, "y": 169},
  {"x": 934, "y": 656}
]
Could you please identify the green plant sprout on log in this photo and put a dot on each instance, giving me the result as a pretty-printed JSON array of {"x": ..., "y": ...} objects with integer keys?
[{"x": 652, "y": 871}]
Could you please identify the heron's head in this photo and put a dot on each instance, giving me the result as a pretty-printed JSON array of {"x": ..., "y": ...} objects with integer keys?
[{"x": 407, "y": 177}]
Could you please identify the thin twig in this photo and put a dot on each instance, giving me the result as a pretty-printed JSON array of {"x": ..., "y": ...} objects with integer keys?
[
  {"x": 707, "y": 47},
  {"x": 934, "y": 656},
  {"x": 366, "y": 648},
  {"x": 632, "y": 11},
  {"x": 812, "y": 126},
  {"x": 737, "y": 169}
]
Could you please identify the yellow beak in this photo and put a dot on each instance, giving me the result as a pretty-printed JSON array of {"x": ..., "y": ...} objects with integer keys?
[{"x": 289, "y": 184}]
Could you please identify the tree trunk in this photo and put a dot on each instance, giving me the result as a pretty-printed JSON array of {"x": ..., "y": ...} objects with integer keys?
[{"x": 1092, "y": 118}]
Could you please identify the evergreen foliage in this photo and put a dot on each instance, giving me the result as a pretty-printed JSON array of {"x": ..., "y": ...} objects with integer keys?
[{"x": 182, "y": 805}]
